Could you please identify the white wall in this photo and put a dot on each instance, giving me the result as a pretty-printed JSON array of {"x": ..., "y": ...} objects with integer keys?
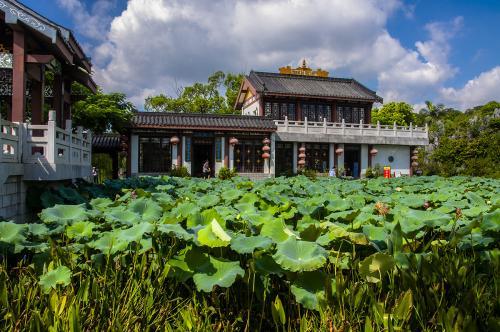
[
  {"x": 252, "y": 109},
  {"x": 134, "y": 155},
  {"x": 401, "y": 156}
]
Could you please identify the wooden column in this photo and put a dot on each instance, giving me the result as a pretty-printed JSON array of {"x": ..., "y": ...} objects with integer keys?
[
  {"x": 334, "y": 111},
  {"x": 114, "y": 162},
  {"x": 299, "y": 111},
  {"x": 57, "y": 100},
  {"x": 37, "y": 100},
  {"x": 18, "y": 78}
]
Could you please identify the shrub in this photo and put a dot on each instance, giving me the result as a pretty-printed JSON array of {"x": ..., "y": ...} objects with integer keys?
[
  {"x": 227, "y": 173},
  {"x": 180, "y": 172},
  {"x": 310, "y": 173},
  {"x": 369, "y": 173}
]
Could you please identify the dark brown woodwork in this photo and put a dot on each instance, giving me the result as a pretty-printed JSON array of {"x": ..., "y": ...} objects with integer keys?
[
  {"x": 114, "y": 164},
  {"x": 336, "y": 159},
  {"x": 37, "y": 99},
  {"x": 18, "y": 78},
  {"x": 179, "y": 154},
  {"x": 298, "y": 111},
  {"x": 334, "y": 111},
  {"x": 39, "y": 58},
  {"x": 64, "y": 50},
  {"x": 129, "y": 154},
  {"x": 226, "y": 152},
  {"x": 57, "y": 100}
]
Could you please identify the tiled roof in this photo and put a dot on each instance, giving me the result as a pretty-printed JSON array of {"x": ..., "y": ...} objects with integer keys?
[
  {"x": 331, "y": 87},
  {"x": 201, "y": 121},
  {"x": 106, "y": 142}
]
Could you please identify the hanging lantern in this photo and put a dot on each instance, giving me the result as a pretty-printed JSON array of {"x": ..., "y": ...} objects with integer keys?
[
  {"x": 339, "y": 151},
  {"x": 266, "y": 155},
  {"x": 266, "y": 148},
  {"x": 414, "y": 164},
  {"x": 302, "y": 149},
  {"x": 266, "y": 141},
  {"x": 302, "y": 155},
  {"x": 233, "y": 141},
  {"x": 373, "y": 152},
  {"x": 302, "y": 162},
  {"x": 414, "y": 157},
  {"x": 174, "y": 140}
]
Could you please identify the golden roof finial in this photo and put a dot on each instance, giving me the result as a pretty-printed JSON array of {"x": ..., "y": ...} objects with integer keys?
[{"x": 303, "y": 70}]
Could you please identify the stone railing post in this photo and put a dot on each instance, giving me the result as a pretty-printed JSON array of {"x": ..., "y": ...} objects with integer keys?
[
  {"x": 305, "y": 125},
  {"x": 395, "y": 129},
  {"x": 69, "y": 132},
  {"x": 378, "y": 128},
  {"x": 361, "y": 127},
  {"x": 324, "y": 125},
  {"x": 426, "y": 128},
  {"x": 343, "y": 127},
  {"x": 51, "y": 138},
  {"x": 286, "y": 123},
  {"x": 79, "y": 135},
  {"x": 411, "y": 129}
]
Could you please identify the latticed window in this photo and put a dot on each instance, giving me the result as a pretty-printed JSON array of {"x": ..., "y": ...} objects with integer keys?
[
  {"x": 316, "y": 112},
  {"x": 278, "y": 111},
  {"x": 248, "y": 156},
  {"x": 267, "y": 109},
  {"x": 154, "y": 154},
  {"x": 317, "y": 157}
]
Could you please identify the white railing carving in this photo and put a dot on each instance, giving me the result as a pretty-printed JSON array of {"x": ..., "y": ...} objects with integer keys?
[
  {"x": 354, "y": 129},
  {"x": 10, "y": 142}
]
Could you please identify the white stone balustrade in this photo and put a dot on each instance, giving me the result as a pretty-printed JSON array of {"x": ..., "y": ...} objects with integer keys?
[{"x": 10, "y": 142}]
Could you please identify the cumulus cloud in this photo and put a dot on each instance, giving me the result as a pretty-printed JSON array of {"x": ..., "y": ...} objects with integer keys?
[
  {"x": 155, "y": 46},
  {"x": 477, "y": 91}
]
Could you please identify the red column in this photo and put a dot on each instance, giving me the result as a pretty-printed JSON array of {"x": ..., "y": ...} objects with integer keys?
[
  {"x": 18, "y": 78},
  {"x": 37, "y": 99}
]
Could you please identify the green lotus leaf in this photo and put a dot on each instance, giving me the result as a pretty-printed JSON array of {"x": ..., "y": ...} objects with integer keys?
[
  {"x": 147, "y": 209},
  {"x": 59, "y": 276},
  {"x": 211, "y": 272},
  {"x": 294, "y": 255},
  {"x": 474, "y": 199},
  {"x": 231, "y": 194},
  {"x": 49, "y": 199},
  {"x": 134, "y": 233},
  {"x": 374, "y": 267},
  {"x": 122, "y": 217},
  {"x": 491, "y": 222},
  {"x": 339, "y": 204},
  {"x": 207, "y": 201},
  {"x": 309, "y": 290},
  {"x": 146, "y": 245},
  {"x": 246, "y": 245},
  {"x": 185, "y": 209},
  {"x": 64, "y": 214},
  {"x": 38, "y": 230},
  {"x": 35, "y": 247},
  {"x": 276, "y": 230},
  {"x": 80, "y": 229},
  {"x": 412, "y": 221},
  {"x": 266, "y": 265},
  {"x": 109, "y": 243},
  {"x": 213, "y": 235},
  {"x": 204, "y": 218},
  {"x": 335, "y": 232},
  {"x": 12, "y": 233},
  {"x": 71, "y": 195},
  {"x": 374, "y": 233},
  {"x": 101, "y": 204},
  {"x": 176, "y": 230}
]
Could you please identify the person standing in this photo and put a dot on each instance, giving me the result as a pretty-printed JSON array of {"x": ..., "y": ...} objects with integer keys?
[
  {"x": 206, "y": 169},
  {"x": 95, "y": 174}
]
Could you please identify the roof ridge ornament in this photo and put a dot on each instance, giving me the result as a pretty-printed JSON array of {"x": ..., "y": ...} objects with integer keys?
[{"x": 303, "y": 70}]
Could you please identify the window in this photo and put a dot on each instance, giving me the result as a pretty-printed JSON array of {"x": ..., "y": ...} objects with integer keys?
[
  {"x": 350, "y": 114},
  {"x": 278, "y": 111},
  {"x": 317, "y": 157},
  {"x": 248, "y": 156},
  {"x": 154, "y": 154},
  {"x": 316, "y": 112}
]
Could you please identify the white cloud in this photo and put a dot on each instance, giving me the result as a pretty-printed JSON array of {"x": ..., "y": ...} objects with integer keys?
[
  {"x": 477, "y": 91},
  {"x": 155, "y": 46}
]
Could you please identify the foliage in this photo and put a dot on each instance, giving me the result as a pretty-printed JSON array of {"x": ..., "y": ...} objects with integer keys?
[
  {"x": 226, "y": 173},
  {"x": 103, "y": 112},
  {"x": 399, "y": 112},
  {"x": 181, "y": 172},
  {"x": 418, "y": 253},
  {"x": 369, "y": 174},
  {"x": 309, "y": 173},
  {"x": 462, "y": 143},
  {"x": 201, "y": 97}
]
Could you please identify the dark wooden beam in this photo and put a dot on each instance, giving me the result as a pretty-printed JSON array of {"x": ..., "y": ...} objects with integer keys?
[
  {"x": 37, "y": 99},
  {"x": 18, "y": 77},
  {"x": 39, "y": 58}
]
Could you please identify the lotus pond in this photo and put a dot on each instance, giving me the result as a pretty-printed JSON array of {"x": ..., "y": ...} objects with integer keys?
[{"x": 418, "y": 253}]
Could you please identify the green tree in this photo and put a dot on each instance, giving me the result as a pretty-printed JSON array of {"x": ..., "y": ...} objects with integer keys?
[
  {"x": 201, "y": 97},
  {"x": 103, "y": 112},
  {"x": 399, "y": 112}
]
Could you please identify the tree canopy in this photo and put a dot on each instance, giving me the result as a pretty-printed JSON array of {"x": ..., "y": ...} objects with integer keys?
[
  {"x": 399, "y": 112},
  {"x": 201, "y": 97},
  {"x": 103, "y": 112}
]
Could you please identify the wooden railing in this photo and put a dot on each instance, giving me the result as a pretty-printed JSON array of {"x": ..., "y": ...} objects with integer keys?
[{"x": 353, "y": 129}]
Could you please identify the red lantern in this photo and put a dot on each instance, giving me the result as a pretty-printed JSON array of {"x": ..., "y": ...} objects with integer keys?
[
  {"x": 233, "y": 141},
  {"x": 373, "y": 152},
  {"x": 339, "y": 151},
  {"x": 414, "y": 158},
  {"x": 266, "y": 155},
  {"x": 414, "y": 164},
  {"x": 174, "y": 140},
  {"x": 302, "y": 162},
  {"x": 302, "y": 155},
  {"x": 266, "y": 148},
  {"x": 266, "y": 141},
  {"x": 302, "y": 149}
]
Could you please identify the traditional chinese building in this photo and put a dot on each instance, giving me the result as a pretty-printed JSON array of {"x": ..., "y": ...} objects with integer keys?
[
  {"x": 296, "y": 119},
  {"x": 39, "y": 60}
]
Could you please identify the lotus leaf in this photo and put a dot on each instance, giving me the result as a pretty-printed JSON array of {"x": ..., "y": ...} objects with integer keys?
[
  {"x": 59, "y": 276},
  {"x": 213, "y": 236},
  {"x": 64, "y": 214},
  {"x": 176, "y": 230},
  {"x": 276, "y": 230},
  {"x": 80, "y": 229},
  {"x": 374, "y": 233},
  {"x": 491, "y": 222},
  {"x": 101, "y": 203},
  {"x": 109, "y": 243},
  {"x": 147, "y": 209},
  {"x": 246, "y": 245},
  {"x": 12, "y": 233},
  {"x": 295, "y": 255},
  {"x": 39, "y": 230},
  {"x": 309, "y": 289},
  {"x": 122, "y": 217},
  {"x": 374, "y": 267}
]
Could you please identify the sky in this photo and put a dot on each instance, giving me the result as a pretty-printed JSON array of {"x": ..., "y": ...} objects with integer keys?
[{"x": 445, "y": 51}]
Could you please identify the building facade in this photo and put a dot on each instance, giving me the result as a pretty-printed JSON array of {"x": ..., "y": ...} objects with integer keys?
[
  {"x": 39, "y": 60},
  {"x": 296, "y": 119}
]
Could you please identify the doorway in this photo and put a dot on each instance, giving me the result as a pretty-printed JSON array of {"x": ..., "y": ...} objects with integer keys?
[
  {"x": 202, "y": 151},
  {"x": 352, "y": 160}
]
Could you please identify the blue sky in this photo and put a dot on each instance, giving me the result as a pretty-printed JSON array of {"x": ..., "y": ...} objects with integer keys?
[{"x": 446, "y": 51}]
